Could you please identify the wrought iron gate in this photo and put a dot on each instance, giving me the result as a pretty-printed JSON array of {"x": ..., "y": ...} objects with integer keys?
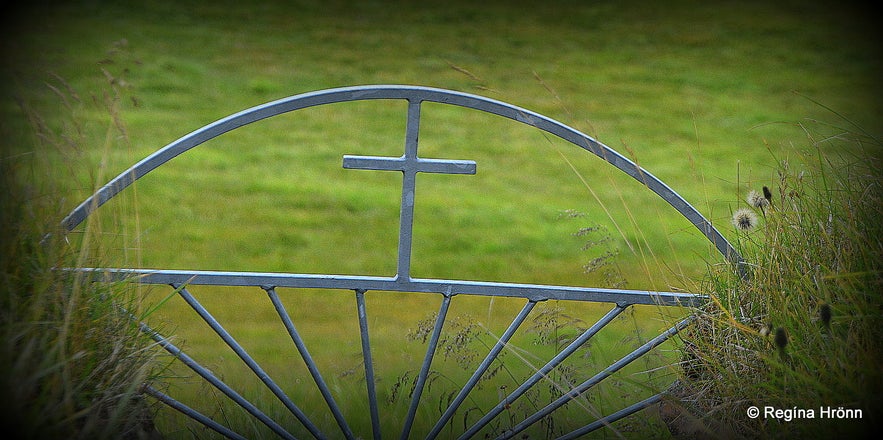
[{"x": 409, "y": 164}]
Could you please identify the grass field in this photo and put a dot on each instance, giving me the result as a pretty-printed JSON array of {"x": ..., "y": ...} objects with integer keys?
[{"x": 703, "y": 96}]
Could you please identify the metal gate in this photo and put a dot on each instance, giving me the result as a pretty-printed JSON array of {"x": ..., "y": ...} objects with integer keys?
[{"x": 409, "y": 164}]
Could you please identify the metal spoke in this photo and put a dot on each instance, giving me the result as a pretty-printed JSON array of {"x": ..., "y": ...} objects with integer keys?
[
  {"x": 544, "y": 371},
  {"x": 491, "y": 356},
  {"x": 369, "y": 364},
  {"x": 212, "y": 379},
  {"x": 427, "y": 361},
  {"x": 594, "y": 380},
  {"x": 308, "y": 360},
  {"x": 192, "y": 413},
  {"x": 605, "y": 421},
  {"x": 261, "y": 374}
]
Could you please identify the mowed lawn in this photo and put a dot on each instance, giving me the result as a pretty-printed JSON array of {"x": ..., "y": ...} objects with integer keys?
[{"x": 704, "y": 96}]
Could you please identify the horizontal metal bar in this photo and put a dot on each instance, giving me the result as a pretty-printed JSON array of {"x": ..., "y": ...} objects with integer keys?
[
  {"x": 192, "y": 413},
  {"x": 422, "y": 165},
  {"x": 535, "y": 292}
]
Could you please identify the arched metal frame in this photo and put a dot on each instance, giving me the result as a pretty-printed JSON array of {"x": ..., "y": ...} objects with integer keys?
[{"x": 409, "y": 164}]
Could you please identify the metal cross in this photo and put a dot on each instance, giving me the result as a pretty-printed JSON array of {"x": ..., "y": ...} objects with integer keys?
[{"x": 409, "y": 164}]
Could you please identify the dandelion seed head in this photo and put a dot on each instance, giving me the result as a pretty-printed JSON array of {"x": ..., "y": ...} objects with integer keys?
[
  {"x": 744, "y": 219},
  {"x": 757, "y": 200}
]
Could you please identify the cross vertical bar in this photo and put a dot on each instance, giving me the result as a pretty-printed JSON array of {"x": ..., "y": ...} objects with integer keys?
[
  {"x": 308, "y": 360},
  {"x": 369, "y": 364},
  {"x": 491, "y": 356},
  {"x": 424, "y": 371},
  {"x": 409, "y": 185}
]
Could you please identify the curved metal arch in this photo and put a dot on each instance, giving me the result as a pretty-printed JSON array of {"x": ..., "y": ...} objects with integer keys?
[{"x": 412, "y": 94}]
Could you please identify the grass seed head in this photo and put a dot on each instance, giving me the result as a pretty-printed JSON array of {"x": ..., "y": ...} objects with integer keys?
[
  {"x": 744, "y": 219},
  {"x": 825, "y": 314},
  {"x": 781, "y": 339}
]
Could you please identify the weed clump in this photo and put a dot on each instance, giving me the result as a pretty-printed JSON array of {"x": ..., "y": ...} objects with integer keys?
[
  {"x": 798, "y": 336},
  {"x": 72, "y": 364}
]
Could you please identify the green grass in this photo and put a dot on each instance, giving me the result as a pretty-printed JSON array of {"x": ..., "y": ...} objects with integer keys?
[{"x": 688, "y": 91}]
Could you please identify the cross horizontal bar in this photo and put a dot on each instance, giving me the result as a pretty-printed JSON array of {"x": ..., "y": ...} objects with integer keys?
[
  {"x": 536, "y": 292},
  {"x": 438, "y": 166}
]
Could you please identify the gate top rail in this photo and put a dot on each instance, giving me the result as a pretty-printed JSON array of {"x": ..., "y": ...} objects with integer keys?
[{"x": 415, "y": 95}]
